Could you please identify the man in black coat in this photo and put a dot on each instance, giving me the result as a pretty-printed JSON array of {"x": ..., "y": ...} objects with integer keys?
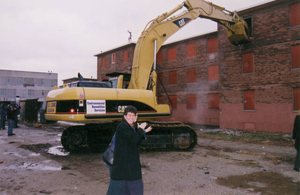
[
  {"x": 296, "y": 137},
  {"x": 126, "y": 174},
  {"x": 10, "y": 119}
]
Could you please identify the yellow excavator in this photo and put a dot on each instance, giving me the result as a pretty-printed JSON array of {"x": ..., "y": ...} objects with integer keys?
[{"x": 101, "y": 107}]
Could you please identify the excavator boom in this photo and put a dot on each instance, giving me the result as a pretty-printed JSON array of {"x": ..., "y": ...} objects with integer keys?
[{"x": 161, "y": 28}]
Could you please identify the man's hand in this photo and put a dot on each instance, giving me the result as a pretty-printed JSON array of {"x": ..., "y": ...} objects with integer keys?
[
  {"x": 148, "y": 129},
  {"x": 142, "y": 126}
]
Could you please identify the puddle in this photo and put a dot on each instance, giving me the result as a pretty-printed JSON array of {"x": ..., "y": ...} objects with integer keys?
[
  {"x": 263, "y": 182},
  {"x": 37, "y": 148},
  {"x": 58, "y": 150},
  {"x": 34, "y": 154},
  {"x": 41, "y": 167},
  {"x": 14, "y": 154},
  {"x": 59, "y": 137}
]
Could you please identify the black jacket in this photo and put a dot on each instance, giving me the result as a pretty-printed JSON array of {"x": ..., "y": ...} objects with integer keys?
[
  {"x": 11, "y": 113},
  {"x": 296, "y": 132},
  {"x": 127, "y": 164}
]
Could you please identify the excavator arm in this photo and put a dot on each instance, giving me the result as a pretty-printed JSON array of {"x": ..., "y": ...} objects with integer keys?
[{"x": 161, "y": 28}]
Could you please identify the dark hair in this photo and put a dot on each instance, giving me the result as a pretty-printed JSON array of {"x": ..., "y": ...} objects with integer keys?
[{"x": 130, "y": 109}]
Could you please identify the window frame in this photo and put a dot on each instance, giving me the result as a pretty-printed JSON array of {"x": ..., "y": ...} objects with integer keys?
[
  {"x": 175, "y": 75},
  {"x": 253, "y": 63},
  {"x": 192, "y": 106},
  {"x": 292, "y": 20},
  {"x": 174, "y": 103},
  {"x": 103, "y": 62},
  {"x": 172, "y": 56},
  {"x": 125, "y": 56},
  {"x": 295, "y": 57},
  {"x": 210, "y": 76},
  {"x": 210, "y": 47},
  {"x": 294, "y": 97},
  {"x": 113, "y": 58},
  {"x": 244, "y": 100},
  {"x": 191, "y": 79},
  {"x": 209, "y": 101},
  {"x": 191, "y": 50}
]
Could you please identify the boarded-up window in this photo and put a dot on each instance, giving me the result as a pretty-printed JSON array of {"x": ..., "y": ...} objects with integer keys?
[
  {"x": 249, "y": 100},
  {"x": 173, "y": 99},
  {"x": 248, "y": 63},
  {"x": 113, "y": 58},
  {"x": 213, "y": 100},
  {"x": 191, "y": 102},
  {"x": 125, "y": 56},
  {"x": 103, "y": 62},
  {"x": 159, "y": 99},
  {"x": 159, "y": 57},
  {"x": 295, "y": 14},
  {"x": 190, "y": 50},
  {"x": 213, "y": 73},
  {"x": 172, "y": 54},
  {"x": 172, "y": 77},
  {"x": 296, "y": 97},
  {"x": 212, "y": 45},
  {"x": 296, "y": 56},
  {"x": 249, "y": 21},
  {"x": 191, "y": 76},
  {"x": 159, "y": 79}
]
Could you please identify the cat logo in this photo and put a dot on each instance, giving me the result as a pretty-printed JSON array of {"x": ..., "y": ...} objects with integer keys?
[
  {"x": 121, "y": 108},
  {"x": 181, "y": 22}
]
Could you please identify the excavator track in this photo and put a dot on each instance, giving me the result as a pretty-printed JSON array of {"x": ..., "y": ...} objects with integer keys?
[
  {"x": 169, "y": 135},
  {"x": 172, "y": 135}
]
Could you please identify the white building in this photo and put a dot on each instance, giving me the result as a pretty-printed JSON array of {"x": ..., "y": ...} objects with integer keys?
[{"x": 25, "y": 85}]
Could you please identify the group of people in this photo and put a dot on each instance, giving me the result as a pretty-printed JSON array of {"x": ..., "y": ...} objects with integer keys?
[{"x": 10, "y": 114}]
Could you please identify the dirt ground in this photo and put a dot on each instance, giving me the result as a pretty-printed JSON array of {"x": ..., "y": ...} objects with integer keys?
[{"x": 33, "y": 162}]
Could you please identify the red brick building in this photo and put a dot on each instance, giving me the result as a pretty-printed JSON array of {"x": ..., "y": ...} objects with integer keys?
[{"x": 211, "y": 82}]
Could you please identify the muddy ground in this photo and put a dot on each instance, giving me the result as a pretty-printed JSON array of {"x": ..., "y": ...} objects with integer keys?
[{"x": 33, "y": 162}]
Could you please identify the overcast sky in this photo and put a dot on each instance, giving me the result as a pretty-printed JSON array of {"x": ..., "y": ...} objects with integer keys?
[{"x": 63, "y": 36}]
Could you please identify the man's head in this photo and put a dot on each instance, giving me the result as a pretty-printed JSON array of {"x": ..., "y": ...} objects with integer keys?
[{"x": 130, "y": 114}]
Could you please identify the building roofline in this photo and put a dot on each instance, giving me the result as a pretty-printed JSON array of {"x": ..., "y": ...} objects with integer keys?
[
  {"x": 240, "y": 11},
  {"x": 49, "y": 72},
  {"x": 116, "y": 48}
]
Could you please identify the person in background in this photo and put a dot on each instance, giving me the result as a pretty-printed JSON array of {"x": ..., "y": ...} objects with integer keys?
[
  {"x": 296, "y": 139},
  {"x": 126, "y": 173},
  {"x": 17, "y": 112},
  {"x": 3, "y": 116},
  {"x": 10, "y": 118}
]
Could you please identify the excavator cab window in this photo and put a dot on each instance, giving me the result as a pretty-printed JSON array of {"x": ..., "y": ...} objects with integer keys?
[
  {"x": 113, "y": 82},
  {"x": 89, "y": 84}
]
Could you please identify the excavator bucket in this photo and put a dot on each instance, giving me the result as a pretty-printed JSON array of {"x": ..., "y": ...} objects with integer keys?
[{"x": 239, "y": 33}]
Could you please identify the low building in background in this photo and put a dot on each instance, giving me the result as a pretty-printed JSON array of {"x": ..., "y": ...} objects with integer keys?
[{"x": 22, "y": 85}]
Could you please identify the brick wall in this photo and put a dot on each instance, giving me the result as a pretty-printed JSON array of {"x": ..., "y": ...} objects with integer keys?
[
  {"x": 183, "y": 89},
  {"x": 273, "y": 78}
]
